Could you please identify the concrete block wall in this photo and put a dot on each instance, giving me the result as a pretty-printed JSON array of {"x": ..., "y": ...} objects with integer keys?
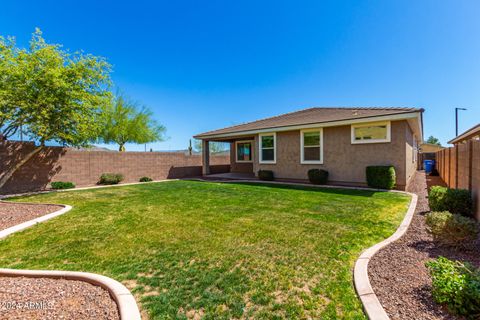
[{"x": 84, "y": 167}]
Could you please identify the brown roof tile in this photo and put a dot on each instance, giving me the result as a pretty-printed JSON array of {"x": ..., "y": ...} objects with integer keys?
[{"x": 310, "y": 116}]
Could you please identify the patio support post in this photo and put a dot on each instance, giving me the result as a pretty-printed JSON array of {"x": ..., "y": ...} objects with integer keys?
[{"x": 205, "y": 157}]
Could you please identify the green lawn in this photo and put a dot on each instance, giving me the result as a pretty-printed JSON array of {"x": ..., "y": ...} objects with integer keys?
[{"x": 219, "y": 250}]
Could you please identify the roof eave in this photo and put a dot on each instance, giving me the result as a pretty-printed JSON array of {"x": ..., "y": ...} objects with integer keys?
[
  {"x": 466, "y": 134},
  {"x": 395, "y": 116}
]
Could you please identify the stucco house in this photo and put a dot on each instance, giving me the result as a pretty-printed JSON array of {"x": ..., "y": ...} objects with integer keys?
[{"x": 343, "y": 141}]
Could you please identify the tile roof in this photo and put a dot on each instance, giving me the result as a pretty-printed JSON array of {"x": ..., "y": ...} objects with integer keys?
[{"x": 310, "y": 116}]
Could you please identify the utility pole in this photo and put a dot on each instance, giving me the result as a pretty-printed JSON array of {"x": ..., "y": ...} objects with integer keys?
[{"x": 456, "y": 120}]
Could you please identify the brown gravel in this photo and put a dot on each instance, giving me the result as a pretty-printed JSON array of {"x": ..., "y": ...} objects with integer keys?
[
  {"x": 43, "y": 298},
  {"x": 14, "y": 213},
  {"x": 398, "y": 274}
]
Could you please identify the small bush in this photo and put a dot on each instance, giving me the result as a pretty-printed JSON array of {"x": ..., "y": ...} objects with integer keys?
[
  {"x": 452, "y": 229},
  {"x": 382, "y": 177},
  {"x": 110, "y": 178},
  {"x": 266, "y": 175},
  {"x": 318, "y": 176},
  {"x": 436, "y": 198},
  {"x": 62, "y": 185},
  {"x": 145, "y": 179},
  {"x": 458, "y": 201},
  {"x": 457, "y": 285}
]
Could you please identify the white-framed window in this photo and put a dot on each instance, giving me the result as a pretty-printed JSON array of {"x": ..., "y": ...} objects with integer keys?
[
  {"x": 243, "y": 151},
  {"x": 267, "y": 147},
  {"x": 373, "y": 132},
  {"x": 311, "y": 146}
]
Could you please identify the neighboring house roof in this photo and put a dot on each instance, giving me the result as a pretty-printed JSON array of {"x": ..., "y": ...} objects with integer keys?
[
  {"x": 311, "y": 116},
  {"x": 430, "y": 147},
  {"x": 472, "y": 133}
]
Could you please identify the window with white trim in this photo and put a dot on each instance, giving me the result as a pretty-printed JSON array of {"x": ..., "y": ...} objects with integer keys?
[
  {"x": 311, "y": 144},
  {"x": 267, "y": 147},
  {"x": 375, "y": 132},
  {"x": 244, "y": 151}
]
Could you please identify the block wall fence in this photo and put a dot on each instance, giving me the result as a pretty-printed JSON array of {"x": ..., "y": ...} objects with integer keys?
[
  {"x": 84, "y": 167},
  {"x": 459, "y": 167}
]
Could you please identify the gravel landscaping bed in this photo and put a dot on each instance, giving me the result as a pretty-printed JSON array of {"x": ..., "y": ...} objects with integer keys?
[
  {"x": 12, "y": 214},
  {"x": 43, "y": 298},
  {"x": 397, "y": 272}
]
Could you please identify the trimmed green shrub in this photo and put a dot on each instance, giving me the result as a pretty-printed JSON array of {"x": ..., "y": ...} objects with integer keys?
[
  {"x": 436, "y": 198},
  {"x": 62, "y": 185},
  {"x": 110, "y": 178},
  {"x": 381, "y": 177},
  {"x": 266, "y": 175},
  {"x": 318, "y": 176},
  {"x": 458, "y": 201},
  {"x": 145, "y": 179},
  {"x": 452, "y": 229},
  {"x": 456, "y": 285}
]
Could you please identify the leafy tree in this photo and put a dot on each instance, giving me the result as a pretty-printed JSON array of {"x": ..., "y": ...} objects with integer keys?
[
  {"x": 433, "y": 140},
  {"x": 55, "y": 95},
  {"x": 214, "y": 146},
  {"x": 12, "y": 65},
  {"x": 126, "y": 122}
]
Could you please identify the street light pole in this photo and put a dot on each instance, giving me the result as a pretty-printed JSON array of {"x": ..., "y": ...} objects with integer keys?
[{"x": 456, "y": 120}]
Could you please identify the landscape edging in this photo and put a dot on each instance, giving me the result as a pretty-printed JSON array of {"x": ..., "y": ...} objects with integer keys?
[
  {"x": 369, "y": 299},
  {"x": 127, "y": 306}
]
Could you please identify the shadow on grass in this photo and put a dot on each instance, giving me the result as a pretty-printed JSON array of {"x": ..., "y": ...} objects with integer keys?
[{"x": 330, "y": 190}]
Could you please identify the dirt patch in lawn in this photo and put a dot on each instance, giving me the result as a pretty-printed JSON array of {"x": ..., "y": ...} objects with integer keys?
[
  {"x": 398, "y": 274},
  {"x": 12, "y": 213}
]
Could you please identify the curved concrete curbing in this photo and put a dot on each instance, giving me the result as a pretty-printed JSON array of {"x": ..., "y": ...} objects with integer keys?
[
  {"x": 126, "y": 303},
  {"x": 369, "y": 299},
  {"x": 27, "y": 224}
]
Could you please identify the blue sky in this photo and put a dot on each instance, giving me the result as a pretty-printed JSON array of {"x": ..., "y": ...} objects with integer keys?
[{"x": 201, "y": 65}]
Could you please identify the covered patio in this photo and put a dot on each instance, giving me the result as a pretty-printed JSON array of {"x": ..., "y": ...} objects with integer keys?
[{"x": 242, "y": 152}]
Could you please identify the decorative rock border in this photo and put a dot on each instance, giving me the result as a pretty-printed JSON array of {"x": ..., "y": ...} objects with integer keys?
[
  {"x": 27, "y": 224},
  {"x": 371, "y": 304},
  {"x": 126, "y": 303}
]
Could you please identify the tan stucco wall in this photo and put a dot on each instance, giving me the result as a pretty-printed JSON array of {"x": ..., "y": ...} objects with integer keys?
[
  {"x": 344, "y": 161},
  {"x": 410, "y": 163}
]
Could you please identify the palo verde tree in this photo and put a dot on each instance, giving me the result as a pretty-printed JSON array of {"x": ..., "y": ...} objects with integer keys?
[
  {"x": 12, "y": 81},
  {"x": 55, "y": 95},
  {"x": 127, "y": 122}
]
